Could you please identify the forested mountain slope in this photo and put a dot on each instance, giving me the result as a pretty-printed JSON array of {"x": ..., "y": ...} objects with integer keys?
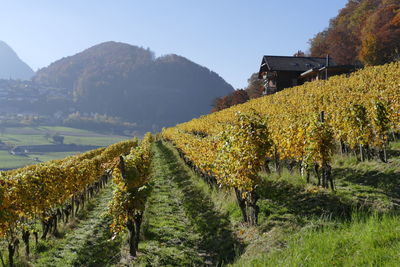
[{"x": 127, "y": 81}]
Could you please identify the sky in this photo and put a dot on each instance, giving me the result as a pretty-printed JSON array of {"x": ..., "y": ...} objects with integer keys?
[{"x": 227, "y": 36}]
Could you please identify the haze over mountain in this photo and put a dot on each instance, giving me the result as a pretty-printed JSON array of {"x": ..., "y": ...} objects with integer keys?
[
  {"x": 11, "y": 66},
  {"x": 127, "y": 81}
]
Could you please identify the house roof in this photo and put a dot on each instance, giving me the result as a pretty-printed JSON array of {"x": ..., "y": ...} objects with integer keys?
[
  {"x": 334, "y": 68},
  {"x": 298, "y": 64}
]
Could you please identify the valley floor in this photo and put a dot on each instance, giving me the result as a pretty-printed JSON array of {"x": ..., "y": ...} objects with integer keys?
[{"x": 11, "y": 137}]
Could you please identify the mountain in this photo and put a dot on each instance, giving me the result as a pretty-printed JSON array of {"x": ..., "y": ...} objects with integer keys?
[
  {"x": 11, "y": 66},
  {"x": 127, "y": 81}
]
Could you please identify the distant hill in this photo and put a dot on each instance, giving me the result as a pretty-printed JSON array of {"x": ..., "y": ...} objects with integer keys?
[
  {"x": 127, "y": 81},
  {"x": 11, "y": 66}
]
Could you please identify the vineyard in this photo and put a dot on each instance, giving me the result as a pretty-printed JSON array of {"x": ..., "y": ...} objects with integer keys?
[
  {"x": 231, "y": 187},
  {"x": 300, "y": 127}
]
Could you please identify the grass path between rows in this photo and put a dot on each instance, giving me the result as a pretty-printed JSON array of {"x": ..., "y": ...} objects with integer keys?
[
  {"x": 182, "y": 226},
  {"x": 89, "y": 242}
]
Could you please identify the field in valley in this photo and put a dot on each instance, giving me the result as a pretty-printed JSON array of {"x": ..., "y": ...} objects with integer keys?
[{"x": 42, "y": 135}]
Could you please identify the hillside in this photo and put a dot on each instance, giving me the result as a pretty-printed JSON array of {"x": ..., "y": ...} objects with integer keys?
[
  {"x": 186, "y": 223},
  {"x": 11, "y": 66},
  {"x": 127, "y": 81}
]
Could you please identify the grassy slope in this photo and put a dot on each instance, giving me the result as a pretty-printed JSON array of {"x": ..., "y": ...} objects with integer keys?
[
  {"x": 182, "y": 226},
  {"x": 325, "y": 221},
  {"x": 303, "y": 225},
  {"x": 187, "y": 223},
  {"x": 366, "y": 241},
  {"x": 87, "y": 242}
]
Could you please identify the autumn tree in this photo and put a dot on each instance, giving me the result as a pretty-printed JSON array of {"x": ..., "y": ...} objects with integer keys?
[
  {"x": 255, "y": 86},
  {"x": 342, "y": 46},
  {"x": 236, "y": 97},
  {"x": 381, "y": 36},
  {"x": 365, "y": 31},
  {"x": 319, "y": 45},
  {"x": 299, "y": 53}
]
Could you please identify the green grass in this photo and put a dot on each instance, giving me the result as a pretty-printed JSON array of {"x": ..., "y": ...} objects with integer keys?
[
  {"x": 93, "y": 140},
  {"x": 182, "y": 227},
  {"x": 24, "y": 139},
  {"x": 224, "y": 200},
  {"x": 37, "y": 136},
  {"x": 8, "y": 161},
  {"x": 395, "y": 145},
  {"x": 366, "y": 241},
  {"x": 46, "y": 129},
  {"x": 51, "y": 155},
  {"x": 18, "y": 136},
  {"x": 62, "y": 129},
  {"x": 325, "y": 219},
  {"x": 371, "y": 183},
  {"x": 86, "y": 242}
]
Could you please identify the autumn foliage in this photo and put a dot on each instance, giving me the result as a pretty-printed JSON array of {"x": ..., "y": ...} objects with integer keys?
[
  {"x": 254, "y": 89},
  {"x": 236, "y": 97},
  {"x": 364, "y": 31}
]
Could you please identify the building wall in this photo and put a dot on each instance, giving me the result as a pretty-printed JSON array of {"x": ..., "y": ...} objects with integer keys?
[{"x": 287, "y": 79}]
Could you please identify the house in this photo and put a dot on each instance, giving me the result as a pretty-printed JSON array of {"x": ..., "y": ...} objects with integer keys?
[
  {"x": 280, "y": 72},
  {"x": 325, "y": 72},
  {"x": 18, "y": 151}
]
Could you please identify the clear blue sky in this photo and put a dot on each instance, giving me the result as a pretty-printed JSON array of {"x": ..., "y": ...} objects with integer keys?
[{"x": 226, "y": 36}]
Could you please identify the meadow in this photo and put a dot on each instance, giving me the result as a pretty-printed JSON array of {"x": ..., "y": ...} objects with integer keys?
[{"x": 42, "y": 135}]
